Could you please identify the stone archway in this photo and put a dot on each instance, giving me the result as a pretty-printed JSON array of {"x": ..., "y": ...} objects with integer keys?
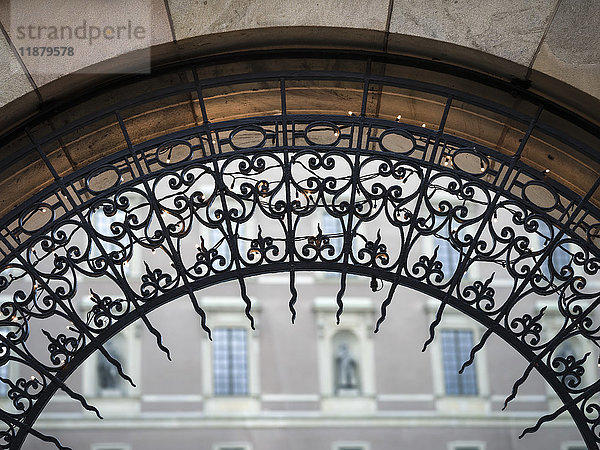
[{"x": 384, "y": 184}]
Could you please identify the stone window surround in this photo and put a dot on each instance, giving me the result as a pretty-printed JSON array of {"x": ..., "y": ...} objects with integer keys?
[
  {"x": 454, "y": 404},
  {"x": 129, "y": 403},
  {"x": 357, "y": 319},
  {"x": 224, "y": 312}
]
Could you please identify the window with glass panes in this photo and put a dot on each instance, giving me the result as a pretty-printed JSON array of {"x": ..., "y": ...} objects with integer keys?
[
  {"x": 456, "y": 346},
  {"x": 333, "y": 227},
  {"x": 230, "y": 361},
  {"x": 448, "y": 256},
  {"x": 109, "y": 382}
]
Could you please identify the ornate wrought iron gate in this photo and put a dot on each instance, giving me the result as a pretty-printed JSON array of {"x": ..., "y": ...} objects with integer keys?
[{"x": 255, "y": 182}]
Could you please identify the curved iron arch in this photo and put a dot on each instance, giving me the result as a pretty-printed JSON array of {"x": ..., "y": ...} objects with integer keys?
[{"x": 420, "y": 181}]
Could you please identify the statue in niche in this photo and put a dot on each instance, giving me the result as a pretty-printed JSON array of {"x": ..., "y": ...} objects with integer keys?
[
  {"x": 346, "y": 371},
  {"x": 108, "y": 377}
]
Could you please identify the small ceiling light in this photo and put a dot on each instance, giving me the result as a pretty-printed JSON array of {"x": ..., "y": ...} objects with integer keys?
[
  {"x": 398, "y": 117},
  {"x": 423, "y": 125},
  {"x": 547, "y": 171},
  {"x": 350, "y": 113}
]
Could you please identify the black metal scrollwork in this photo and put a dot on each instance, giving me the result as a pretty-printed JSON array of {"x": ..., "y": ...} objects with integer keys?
[{"x": 201, "y": 211}]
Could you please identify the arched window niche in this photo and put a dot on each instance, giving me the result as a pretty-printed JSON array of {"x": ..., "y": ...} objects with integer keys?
[
  {"x": 346, "y": 356},
  {"x": 346, "y": 364}
]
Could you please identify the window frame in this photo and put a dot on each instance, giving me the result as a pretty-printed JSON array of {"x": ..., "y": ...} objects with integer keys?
[
  {"x": 131, "y": 365},
  {"x": 458, "y": 404},
  {"x": 120, "y": 340},
  {"x": 230, "y": 357},
  {"x": 461, "y": 383},
  {"x": 129, "y": 400},
  {"x": 358, "y": 311},
  {"x": 224, "y": 312}
]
